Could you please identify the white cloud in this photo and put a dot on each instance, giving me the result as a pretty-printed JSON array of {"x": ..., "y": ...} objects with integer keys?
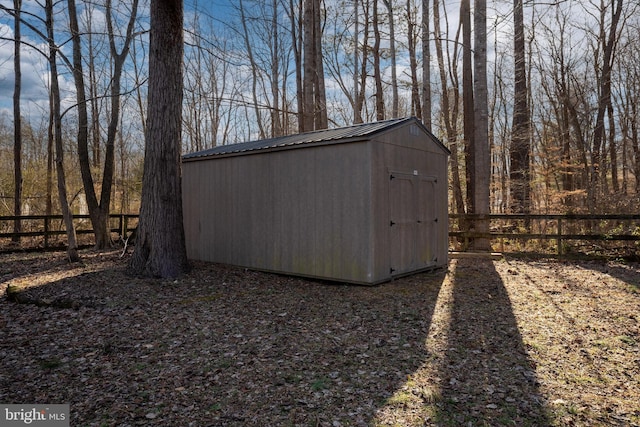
[
  {"x": 34, "y": 93},
  {"x": 35, "y": 73}
]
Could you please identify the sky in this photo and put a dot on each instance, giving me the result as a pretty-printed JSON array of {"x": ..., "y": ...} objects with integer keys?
[
  {"x": 34, "y": 96},
  {"x": 35, "y": 75}
]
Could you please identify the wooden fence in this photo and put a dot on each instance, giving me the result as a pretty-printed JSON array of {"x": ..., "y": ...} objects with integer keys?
[
  {"x": 44, "y": 228},
  {"x": 559, "y": 230}
]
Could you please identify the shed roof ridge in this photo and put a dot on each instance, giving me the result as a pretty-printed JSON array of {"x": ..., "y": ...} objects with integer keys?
[{"x": 344, "y": 132}]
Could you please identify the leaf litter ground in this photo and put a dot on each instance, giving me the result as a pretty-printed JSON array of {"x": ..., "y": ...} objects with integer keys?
[{"x": 507, "y": 342}]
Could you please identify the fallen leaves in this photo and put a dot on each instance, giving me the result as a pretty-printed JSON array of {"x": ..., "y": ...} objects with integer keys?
[{"x": 489, "y": 342}]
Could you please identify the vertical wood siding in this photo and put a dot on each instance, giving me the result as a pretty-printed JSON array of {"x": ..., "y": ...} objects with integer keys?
[
  {"x": 284, "y": 211},
  {"x": 322, "y": 211}
]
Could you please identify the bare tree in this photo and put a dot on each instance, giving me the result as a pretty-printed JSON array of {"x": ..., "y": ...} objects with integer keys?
[
  {"x": 412, "y": 39},
  {"x": 321, "y": 119},
  {"x": 342, "y": 57},
  {"x": 564, "y": 90},
  {"x": 482, "y": 155},
  {"x": 449, "y": 110},
  {"x": 138, "y": 80},
  {"x": 296, "y": 30},
  {"x": 17, "y": 124},
  {"x": 160, "y": 249},
  {"x": 520, "y": 132},
  {"x": 629, "y": 100},
  {"x": 604, "y": 99},
  {"x": 94, "y": 43},
  {"x": 308, "y": 104},
  {"x": 99, "y": 210},
  {"x": 467, "y": 104},
  {"x": 364, "y": 63},
  {"x": 254, "y": 68},
  {"x": 377, "y": 73},
  {"x": 357, "y": 112},
  {"x": 426, "y": 66},
  {"x": 395, "y": 109},
  {"x": 118, "y": 60},
  {"x": 72, "y": 244},
  {"x": 314, "y": 115},
  {"x": 274, "y": 81},
  {"x": 83, "y": 121}
]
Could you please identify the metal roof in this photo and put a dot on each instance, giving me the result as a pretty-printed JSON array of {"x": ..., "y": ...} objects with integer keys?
[{"x": 342, "y": 134}]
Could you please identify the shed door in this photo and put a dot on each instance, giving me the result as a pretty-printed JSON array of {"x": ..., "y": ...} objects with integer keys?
[{"x": 412, "y": 221}]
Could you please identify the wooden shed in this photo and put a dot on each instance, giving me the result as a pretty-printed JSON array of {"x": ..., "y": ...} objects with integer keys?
[{"x": 359, "y": 204}]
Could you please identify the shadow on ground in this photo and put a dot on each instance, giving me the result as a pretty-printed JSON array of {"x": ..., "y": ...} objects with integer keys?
[
  {"x": 221, "y": 347},
  {"x": 488, "y": 377}
]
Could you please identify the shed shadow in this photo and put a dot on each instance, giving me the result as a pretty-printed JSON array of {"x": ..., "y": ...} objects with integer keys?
[
  {"x": 487, "y": 376},
  {"x": 223, "y": 344}
]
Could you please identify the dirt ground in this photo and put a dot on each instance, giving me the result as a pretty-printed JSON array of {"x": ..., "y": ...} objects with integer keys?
[{"x": 485, "y": 343}]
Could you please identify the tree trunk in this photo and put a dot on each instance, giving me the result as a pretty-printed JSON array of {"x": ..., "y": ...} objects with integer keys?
[
  {"x": 377, "y": 75},
  {"x": 520, "y": 132},
  {"x": 395, "y": 109},
  {"x": 99, "y": 210},
  {"x": 320, "y": 98},
  {"x": 426, "y": 66},
  {"x": 635, "y": 143},
  {"x": 416, "y": 108},
  {"x": 83, "y": 128},
  {"x": 160, "y": 249},
  {"x": 449, "y": 114},
  {"x": 103, "y": 234},
  {"x": 566, "y": 164},
  {"x": 254, "y": 70},
  {"x": 359, "y": 101},
  {"x": 139, "y": 84},
  {"x": 17, "y": 125},
  {"x": 357, "y": 113},
  {"x": 314, "y": 115},
  {"x": 481, "y": 137},
  {"x": 467, "y": 103},
  {"x": 50, "y": 155},
  {"x": 308, "y": 83},
  {"x": 276, "y": 123},
  {"x": 72, "y": 246},
  {"x": 613, "y": 149},
  {"x": 603, "y": 102},
  {"x": 296, "y": 42},
  {"x": 581, "y": 142},
  {"x": 96, "y": 149}
]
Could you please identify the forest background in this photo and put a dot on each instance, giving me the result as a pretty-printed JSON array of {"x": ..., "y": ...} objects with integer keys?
[{"x": 563, "y": 91}]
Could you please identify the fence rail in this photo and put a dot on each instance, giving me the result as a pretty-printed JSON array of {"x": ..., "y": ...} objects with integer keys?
[
  {"x": 553, "y": 227},
  {"x": 49, "y": 226}
]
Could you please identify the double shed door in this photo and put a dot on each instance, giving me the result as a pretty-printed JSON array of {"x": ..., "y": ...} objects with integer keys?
[{"x": 412, "y": 221}]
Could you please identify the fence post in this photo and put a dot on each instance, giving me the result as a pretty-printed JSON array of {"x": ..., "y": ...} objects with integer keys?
[
  {"x": 121, "y": 226},
  {"x": 559, "y": 237},
  {"x": 46, "y": 231}
]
